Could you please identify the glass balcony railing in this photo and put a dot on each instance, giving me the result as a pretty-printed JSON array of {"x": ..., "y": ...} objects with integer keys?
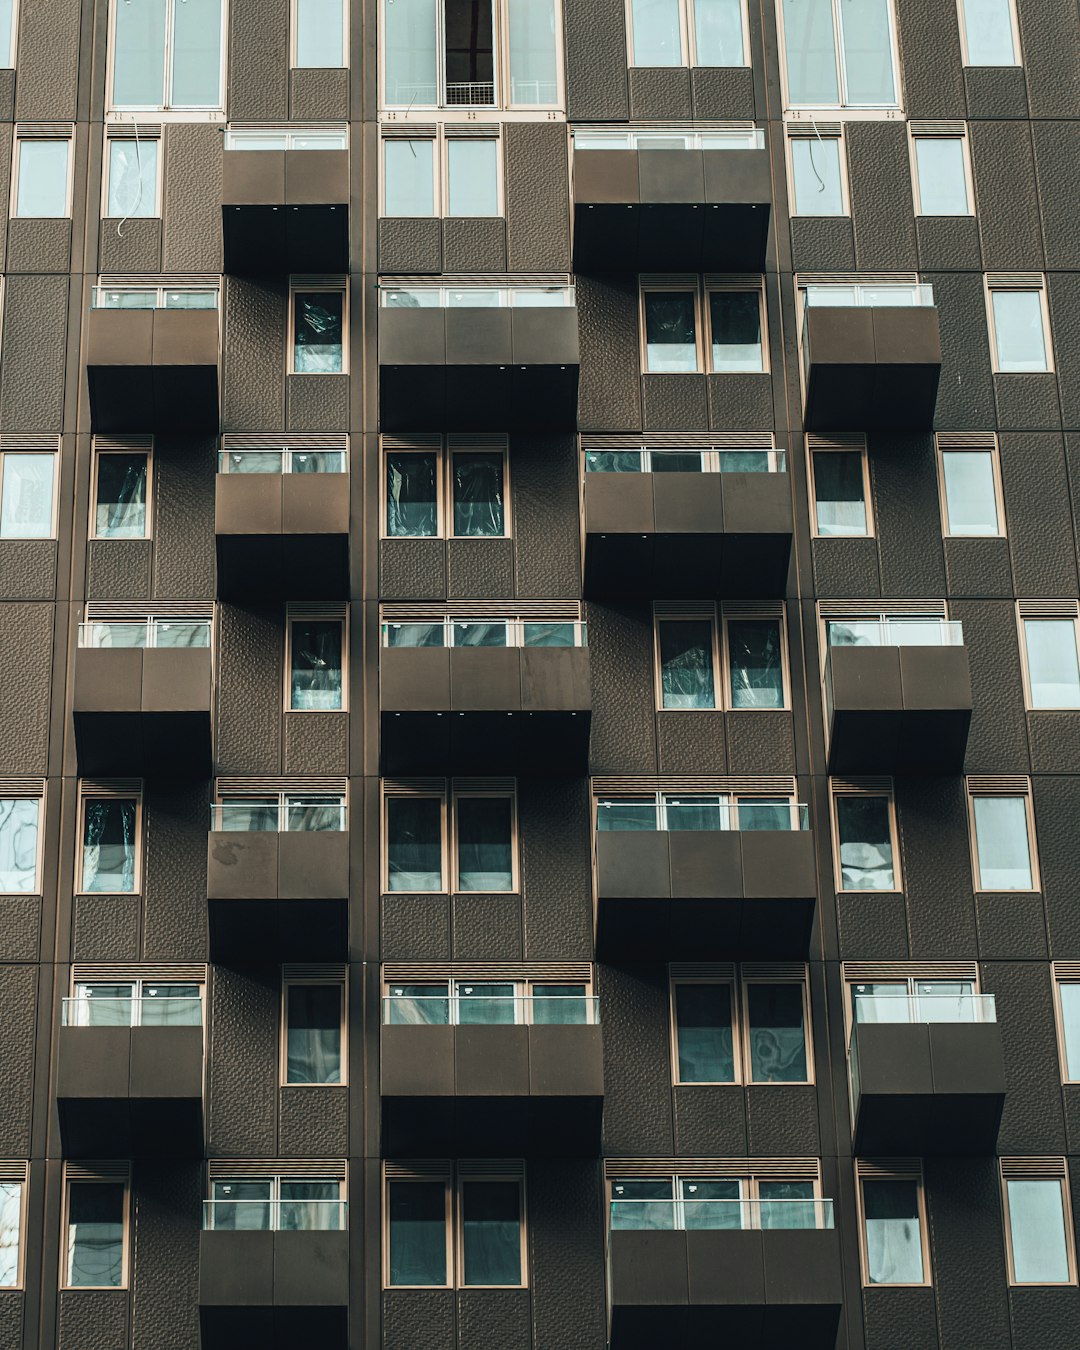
[
  {"x": 749, "y": 139},
  {"x": 132, "y": 1012},
  {"x": 701, "y": 814},
  {"x": 440, "y": 1010},
  {"x": 646, "y": 460},
  {"x": 477, "y": 297},
  {"x": 145, "y": 633},
  {"x": 905, "y": 632},
  {"x": 887, "y": 295},
  {"x": 902, "y": 1008},
  {"x": 486, "y": 633},
  {"x": 271, "y": 817},
  {"x": 294, "y": 1216},
  {"x": 155, "y": 297},
  {"x": 287, "y": 140},
  {"x": 723, "y": 1215},
  {"x": 282, "y": 461}
]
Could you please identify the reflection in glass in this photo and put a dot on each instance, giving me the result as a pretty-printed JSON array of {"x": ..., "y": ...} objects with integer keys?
[
  {"x": 26, "y": 496},
  {"x": 411, "y": 500},
  {"x": 533, "y": 77},
  {"x": 120, "y": 509},
  {"x": 1069, "y": 996},
  {"x": 1053, "y": 670},
  {"x": 484, "y": 843},
  {"x": 838, "y": 493},
  {"x": 410, "y": 29},
  {"x": 777, "y": 1037},
  {"x": 478, "y": 494},
  {"x": 315, "y": 679},
  {"x": 10, "y": 1232},
  {"x": 1037, "y": 1229},
  {"x": 657, "y": 33},
  {"x": 19, "y": 824},
  {"x": 756, "y": 671},
  {"x": 313, "y": 1020},
  {"x": 414, "y": 843},
  {"x": 670, "y": 342},
  {"x": 893, "y": 1236},
  {"x": 735, "y": 321},
  {"x": 133, "y": 170},
  {"x": 988, "y": 33},
  {"x": 970, "y": 492},
  {"x": 816, "y": 176},
  {"x": 95, "y": 1236},
  {"x": 718, "y": 33},
  {"x": 686, "y": 672},
  {"x": 417, "y": 1232},
  {"x": 491, "y": 1232},
  {"x": 108, "y": 849},
  {"x": 1001, "y": 842},
  {"x": 810, "y": 48},
  {"x": 472, "y": 177},
  {"x": 317, "y": 332},
  {"x": 704, "y": 1033}
]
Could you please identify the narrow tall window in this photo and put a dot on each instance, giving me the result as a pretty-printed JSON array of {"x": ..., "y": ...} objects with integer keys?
[
  {"x": 969, "y": 480},
  {"x": 1003, "y": 853},
  {"x": 318, "y": 327},
  {"x": 11, "y": 1207},
  {"x": 110, "y": 844},
  {"x": 477, "y": 488},
  {"x": 120, "y": 494},
  {"x": 316, "y": 658},
  {"x": 469, "y": 53},
  {"x": 43, "y": 174},
  {"x": 1053, "y": 670},
  {"x": 704, "y": 1033},
  {"x": 20, "y": 832},
  {"x": 408, "y": 176},
  {"x": 735, "y": 329},
  {"x": 417, "y": 1213},
  {"x": 1020, "y": 331},
  {"x": 412, "y": 496},
  {"x": 670, "y": 332},
  {"x": 776, "y": 1027},
  {"x": 313, "y": 1019},
  {"x": 472, "y": 177},
  {"x": 657, "y": 33},
  {"x": 817, "y": 175},
  {"x": 320, "y": 33},
  {"x": 864, "y": 841},
  {"x": 839, "y": 54},
  {"x": 7, "y": 33},
  {"x": 167, "y": 53},
  {"x": 491, "y": 1232},
  {"x": 941, "y": 176},
  {"x": 95, "y": 1235},
  {"x": 686, "y": 663},
  {"x": 1068, "y": 992},
  {"x": 533, "y": 45},
  {"x": 988, "y": 28},
  {"x": 414, "y": 843},
  {"x": 27, "y": 487},
  {"x": 840, "y": 509},
  {"x": 133, "y": 177},
  {"x": 714, "y": 33},
  {"x": 755, "y": 663},
  {"x": 484, "y": 827},
  {"x": 893, "y": 1231},
  {"x": 1039, "y": 1232}
]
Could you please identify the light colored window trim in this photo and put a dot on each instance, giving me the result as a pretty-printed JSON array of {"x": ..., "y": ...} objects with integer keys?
[
  {"x": 115, "y": 789},
  {"x": 720, "y": 617},
  {"x": 460, "y": 1182},
  {"x": 444, "y": 447},
  {"x": 440, "y": 135},
  {"x": 700, "y": 288},
  {"x": 1037, "y": 1169},
  {"x": 687, "y": 40},
  {"x": 102, "y": 1174},
  {"x": 969, "y": 442},
  {"x": 294, "y": 26},
  {"x": 295, "y": 975},
  {"x": 448, "y": 794},
  {"x": 888, "y": 112},
  {"x": 29, "y": 790},
  {"x": 892, "y": 1169},
  {"x": 1018, "y": 281},
  {"x": 910, "y": 973},
  {"x": 1062, "y": 610},
  {"x": 115, "y": 447},
  {"x": 940, "y": 131},
  {"x": 12, "y": 53},
  {"x": 198, "y": 113},
  {"x": 317, "y": 285},
  {"x": 24, "y": 132},
  {"x": 813, "y": 131},
  {"x": 1002, "y": 787},
  {"x": 332, "y": 613},
  {"x": 139, "y": 134},
  {"x": 840, "y": 443},
  {"x": 32, "y": 445},
  {"x": 451, "y": 977},
  {"x": 18, "y": 1174},
  {"x": 1061, "y": 973},
  {"x": 865, "y": 787},
  {"x": 1018, "y": 58}
]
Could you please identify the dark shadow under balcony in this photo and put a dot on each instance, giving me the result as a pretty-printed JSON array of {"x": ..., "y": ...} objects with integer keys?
[{"x": 284, "y": 210}]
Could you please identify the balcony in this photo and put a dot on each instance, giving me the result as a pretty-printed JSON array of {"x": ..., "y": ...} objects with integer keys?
[
  {"x": 285, "y": 201},
  {"x": 473, "y": 696},
  {"x": 897, "y": 696},
  {"x": 455, "y": 1079},
  {"x": 871, "y": 357},
  {"x": 673, "y": 884},
  {"x": 927, "y": 1074},
  {"x": 152, "y": 359},
  {"x": 671, "y": 201},
  {"x": 282, "y": 524},
  {"x": 142, "y": 698},
  {"x": 277, "y": 881},
  {"x": 743, "y": 1272},
  {"x": 274, "y": 1287},
  {"x": 472, "y": 358},
  {"x": 133, "y": 1089},
  {"x": 686, "y": 523}
]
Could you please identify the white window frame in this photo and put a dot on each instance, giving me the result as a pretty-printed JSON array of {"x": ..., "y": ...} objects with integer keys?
[
  {"x": 873, "y": 788},
  {"x": 1064, "y": 611},
  {"x": 12, "y": 54},
  {"x": 115, "y": 448},
  {"x": 138, "y": 135},
  {"x": 1044, "y": 1170},
  {"x": 700, "y": 289},
  {"x": 18, "y": 1174},
  {"x": 294, "y": 28},
  {"x": 886, "y": 111},
  {"x": 940, "y": 131},
  {"x": 440, "y": 161},
  {"x": 195, "y": 113},
  {"x": 7, "y": 448},
  {"x": 10, "y": 791},
  {"x": 301, "y": 614},
  {"x": 123, "y": 1180},
  {"x": 1019, "y": 787},
  {"x": 720, "y": 618},
  {"x": 1018, "y": 56},
  {"x": 826, "y": 445},
  {"x": 448, "y": 795},
  {"x": 132, "y": 791},
  {"x": 687, "y": 40},
  {"x": 893, "y": 1169},
  {"x": 1024, "y": 283},
  {"x": 810, "y": 131},
  {"x": 962, "y": 443},
  {"x": 65, "y": 133}
]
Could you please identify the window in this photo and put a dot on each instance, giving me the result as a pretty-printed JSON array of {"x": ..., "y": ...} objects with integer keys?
[
  {"x": 110, "y": 859},
  {"x": 95, "y": 1250},
  {"x": 694, "y": 32},
  {"x": 12, "y": 1192},
  {"x": 319, "y": 33},
  {"x": 988, "y": 33},
  {"x": 729, "y": 810},
  {"x": 893, "y": 1229},
  {"x": 315, "y": 662},
  {"x": 450, "y": 490},
  {"x": 839, "y": 54},
  {"x": 540, "y": 630},
  {"x": 27, "y": 494},
  {"x": 134, "y": 1002},
  {"x": 1051, "y": 669},
  {"x": 1038, "y": 1230},
  {"x": 318, "y": 327},
  {"x": 671, "y": 322},
  {"x": 706, "y": 1199},
  {"x": 167, "y": 54},
  {"x": 465, "y": 1228},
  {"x": 970, "y": 484},
  {"x": 471, "y": 53},
  {"x": 121, "y": 494},
  {"x": 132, "y": 178},
  {"x": 1019, "y": 324},
  {"x": 895, "y": 629},
  {"x": 1003, "y": 835},
  {"x": 841, "y": 481},
  {"x": 254, "y": 454},
  {"x": 8, "y": 33},
  {"x": 314, "y": 1018},
  {"x": 1067, "y": 1000},
  {"x": 42, "y": 177},
  {"x": 427, "y": 295},
  {"x": 940, "y": 170},
  {"x": 919, "y": 999},
  {"x": 482, "y": 840},
  {"x": 531, "y": 1001},
  {"x": 865, "y": 852},
  {"x": 157, "y": 630},
  {"x": 467, "y": 184},
  {"x": 751, "y": 667},
  {"x": 740, "y": 1028},
  {"x": 818, "y": 172},
  {"x": 308, "y": 1203},
  {"x": 124, "y": 296},
  {"x": 278, "y": 812},
  {"x": 757, "y": 456},
  {"x": 20, "y": 843}
]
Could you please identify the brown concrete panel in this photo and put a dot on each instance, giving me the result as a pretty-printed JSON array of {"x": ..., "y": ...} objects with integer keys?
[
  {"x": 414, "y": 679},
  {"x": 242, "y": 865},
  {"x": 485, "y": 679}
]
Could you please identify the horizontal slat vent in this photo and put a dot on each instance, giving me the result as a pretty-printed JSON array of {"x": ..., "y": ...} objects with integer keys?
[
  {"x": 420, "y": 611},
  {"x": 183, "y": 281},
  {"x": 36, "y": 130},
  {"x": 856, "y": 785},
  {"x": 867, "y": 972},
  {"x": 144, "y": 609},
  {"x": 487, "y": 131},
  {"x": 299, "y": 283},
  {"x": 686, "y": 609},
  {"x": 29, "y": 440},
  {"x": 734, "y": 281},
  {"x": 682, "y": 440},
  {"x": 839, "y": 440},
  {"x": 855, "y": 278},
  {"x": 330, "y": 1168},
  {"x": 417, "y": 440},
  {"x": 707, "y": 609},
  {"x": 411, "y": 130},
  {"x": 1066, "y": 970},
  {"x": 104, "y": 1170},
  {"x": 285, "y": 440},
  {"x": 870, "y": 609},
  {"x": 966, "y": 440},
  {"x": 1048, "y": 609},
  {"x": 720, "y": 1168},
  {"x": 892, "y": 1169},
  {"x": 14, "y": 1171},
  {"x": 22, "y": 787},
  {"x": 303, "y": 128},
  {"x": 653, "y": 124},
  {"x": 671, "y": 281},
  {"x": 774, "y": 970},
  {"x": 133, "y": 442},
  {"x": 813, "y": 130},
  {"x": 949, "y": 129},
  {"x": 433, "y": 1169},
  {"x": 569, "y": 972},
  {"x": 145, "y": 131},
  {"x": 322, "y": 609},
  {"x": 404, "y": 786},
  {"x": 1007, "y": 784},
  {"x": 701, "y": 970},
  {"x": 110, "y": 787},
  {"x": 490, "y": 1167},
  {"x": 233, "y": 786},
  {"x": 778, "y": 785},
  {"x": 1015, "y": 281},
  {"x": 191, "y": 973},
  {"x": 310, "y": 970},
  {"x": 477, "y": 440},
  {"x": 1015, "y": 1168}
]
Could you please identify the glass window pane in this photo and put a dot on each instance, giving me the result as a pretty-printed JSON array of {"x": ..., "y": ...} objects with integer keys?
[
  {"x": 10, "y": 1230},
  {"x": 26, "y": 496},
  {"x": 414, "y": 635},
  {"x": 95, "y": 1238},
  {"x": 139, "y": 55},
  {"x": 410, "y": 30},
  {"x": 178, "y": 633},
  {"x": 939, "y": 161},
  {"x": 19, "y": 823},
  {"x": 417, "y": 1221},
  {"x": 777, "y": 1040},
  {"x": 315, "y": 678},
  {"x": 735, "y": 321},
  {"x": 472, "y": 177},
  {"x": 313, "y": 1018},
  {"x": 310, "y": 1206},
  {"x": 196, "y": 54},
  {"x": 756, "y": 671},
  {"x": 43, "y": 178},
  {"x": 711, "y": 1204},
  {"x": 1053, "y": 672},
  {"x": 893, "y": 1238},
  {"x": 865, "y": 838},
  {"x": 491, "y": 1232},
  {"x": 1037, "y": 1229},
  {"x": 643, "y": 1204},
  {"x": 469, "y": 51},
  {"x": 425, "y": 1005},
  {"x": 787, "y": 1204},
  {"x": 686, "y": 669},
  {"x": 484, "y": 843},
  {"x": 867, "y": 45},
  {"x": 409, "y": 168},
  {"x": 704, "y": 1034},
  {"x": 613, "y": 461},
  {"x": 242, "y": 1205},
  {"x": 533, "y": 78},
  {"x": 670, "y": 344},
  {"x": 1069, "y": 995},
  {"x": 317, "y": 334},
  {"x": 988, "y": 33},
  {"x": 104, "y": 1005},
  {"x": 627, "y": 813},
  {"x": 838, "y": 493},
  {"x": 473, "y": 633},
  {"x": 170, "y": 1005},
  {"x": 1001, "y": 842},
  {"x": 7, "y": 34},
  {"x": 319, "y": 33},
  {"x": 718, "y": 33},
  {"x": 815, "y": 172},
  {"x": 559, "y": 1005},
  {"x": 108, "y": 850},
  {"x": 478, "y": 495},
  {"x": 810, "y": 49},
  {"x": 411, "y": 501},
  {"x": 549, "y": 634},
  {"x": 414, "y": 843},
  {"x": 970, "y": 492},
  {"x": 1018, "y": 329},
  {"x": 133, "y": 169},
  {"x": 696, "y": 813},
  {"x": 120, "y": 508},
  {"x": 657, "y": 33},
  {"x": 486, "y": 1004}
]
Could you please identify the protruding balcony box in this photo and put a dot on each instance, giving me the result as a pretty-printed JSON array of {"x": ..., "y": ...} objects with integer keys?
[
  {"x": 130, "y": 1091},
  {"x": 898, "y": 709},
  {"x": 529, "y": 1090},
  {"x": 680, "y": 894},
  {"x": 264, "y": 1290},
  {"x": 873, "y": 363},
  {"x": 143, "y": 711},
  {"x": 758, "y": 1290},
  {"x": 282, "y": 209},
  {"x": 461, "y": 710},
  {"x": 456, "y": 367},
  {"x": 153, "y": 369},
  {"x": 696, "y": 209},
  {"x": 278, "y": 895},
  {"x": 282, "y": 535},
  {"x": 927, "y": 1088},
  {"x": 668, "y": 535}
]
